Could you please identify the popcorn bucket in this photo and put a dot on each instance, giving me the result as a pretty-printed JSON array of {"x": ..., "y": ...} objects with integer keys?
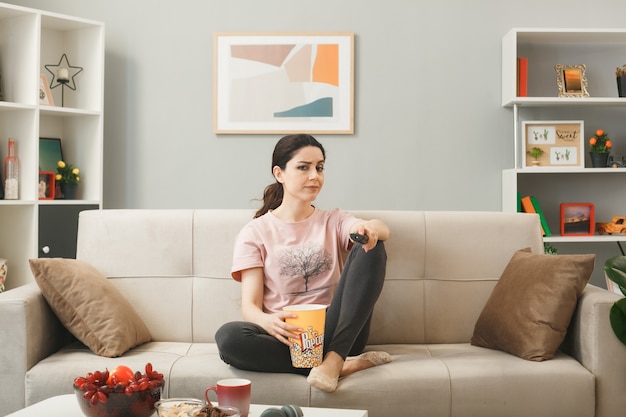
[{"x": 308, "y": 347}]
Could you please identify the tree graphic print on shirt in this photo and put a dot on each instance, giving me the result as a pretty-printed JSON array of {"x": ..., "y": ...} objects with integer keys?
[{"x": 305, "y": 262}]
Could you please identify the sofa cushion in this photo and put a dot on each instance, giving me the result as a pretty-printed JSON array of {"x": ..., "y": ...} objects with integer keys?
[
  {"x": 530, "y": 308},
  {"x": 89, "y": 306}
]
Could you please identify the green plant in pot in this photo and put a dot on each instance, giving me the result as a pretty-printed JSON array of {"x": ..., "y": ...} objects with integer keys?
[
  {"x": 68, "y": 178},
  {"x": 600, "y": 146},
  {"x": 615, "y": 270},
  {"x": 535, "y": 153}
]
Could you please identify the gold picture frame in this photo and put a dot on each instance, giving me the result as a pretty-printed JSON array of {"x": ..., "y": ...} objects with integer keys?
[{"x": 571, "y": 80}]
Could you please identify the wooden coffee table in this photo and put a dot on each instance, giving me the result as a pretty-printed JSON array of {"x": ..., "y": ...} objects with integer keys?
[{"x": 67, "y": 406}]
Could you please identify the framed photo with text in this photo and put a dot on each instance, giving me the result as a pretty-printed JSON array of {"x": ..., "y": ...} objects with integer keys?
[
  {"x": 267, "y": 83},
  {"x": 557, "y": 144}
]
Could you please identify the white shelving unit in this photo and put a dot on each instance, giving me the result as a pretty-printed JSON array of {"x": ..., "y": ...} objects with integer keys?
[
  {"x": 602, "y": 51},
  {"x": 29, "y": 40}
]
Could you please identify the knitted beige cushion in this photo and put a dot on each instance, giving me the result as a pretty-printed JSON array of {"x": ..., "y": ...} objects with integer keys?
[
  {"x": 531, "y": 306},
  {"x": 89, "y": 306}
]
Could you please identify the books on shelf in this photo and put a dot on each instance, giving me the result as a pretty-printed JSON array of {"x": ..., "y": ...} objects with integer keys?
[
  {"x": 522, "y": 77},
  {"x": 529, "y": 204}
]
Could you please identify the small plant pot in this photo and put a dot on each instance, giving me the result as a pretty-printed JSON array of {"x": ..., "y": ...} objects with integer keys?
[
  {"x": 69, "y": 191},
  {"x": 599, "y": 160},
  {"x": 621, "y": 86}
]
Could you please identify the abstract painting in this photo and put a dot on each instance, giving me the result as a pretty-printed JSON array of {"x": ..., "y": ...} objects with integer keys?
[{"x": 284, "y": 83}]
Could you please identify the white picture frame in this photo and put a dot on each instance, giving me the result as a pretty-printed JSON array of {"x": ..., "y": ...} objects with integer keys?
[
  {"x": 45, "y": 95},
  {"x": 267, "y": 83},
  {"x": 562, "y": 143}
]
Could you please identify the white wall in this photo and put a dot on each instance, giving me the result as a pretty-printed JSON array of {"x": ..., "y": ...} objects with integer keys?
[{"x": 430, "y": 131}]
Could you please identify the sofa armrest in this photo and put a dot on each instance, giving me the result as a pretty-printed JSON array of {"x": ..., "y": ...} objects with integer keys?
[
  {"x": 30, "y": 332},
  {"x": 591, "y": 341}
]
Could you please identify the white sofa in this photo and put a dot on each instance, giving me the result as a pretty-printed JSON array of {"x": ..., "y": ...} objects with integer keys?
[{"x": 173, "y": 266}]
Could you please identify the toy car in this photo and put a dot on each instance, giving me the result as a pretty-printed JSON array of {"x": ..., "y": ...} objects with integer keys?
[{"x": 618, "y": 225}]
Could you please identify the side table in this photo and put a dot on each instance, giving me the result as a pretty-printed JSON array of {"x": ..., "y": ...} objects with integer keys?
[{"x": 67, "y": 406}]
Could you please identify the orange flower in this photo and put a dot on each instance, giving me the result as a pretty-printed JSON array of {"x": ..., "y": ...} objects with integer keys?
[{"x": 600, "y": 143}]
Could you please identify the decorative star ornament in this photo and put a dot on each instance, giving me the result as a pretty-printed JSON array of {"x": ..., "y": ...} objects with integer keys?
[{"x": 72, "y": 72}]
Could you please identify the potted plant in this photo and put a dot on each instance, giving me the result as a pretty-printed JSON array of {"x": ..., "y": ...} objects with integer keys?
[
  {"x": 615, "y": 270},
  {"x": 67, "y": 177},
  {"x": 599, "y": 149},
  {"x": 535, "y": 152}
]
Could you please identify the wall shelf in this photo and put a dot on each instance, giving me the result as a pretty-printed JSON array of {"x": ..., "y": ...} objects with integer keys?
[
  {"x": 602, "y": 51},
  {"x": 32, "y": 39}
]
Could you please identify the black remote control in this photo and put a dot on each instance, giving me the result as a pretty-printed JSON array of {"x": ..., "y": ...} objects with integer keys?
[{"x": 359, "y": 238}]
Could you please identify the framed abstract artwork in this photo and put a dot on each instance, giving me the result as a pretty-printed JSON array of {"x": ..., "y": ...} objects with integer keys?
[{"x": 267, "y": 83}]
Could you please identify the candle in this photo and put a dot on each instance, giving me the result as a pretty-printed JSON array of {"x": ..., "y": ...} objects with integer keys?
[{"x": 63, "y": 74}]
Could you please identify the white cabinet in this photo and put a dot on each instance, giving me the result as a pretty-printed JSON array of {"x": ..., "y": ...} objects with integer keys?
[
  {"x": 601, "y": 51},
  {"x": 29, "y": 40}
]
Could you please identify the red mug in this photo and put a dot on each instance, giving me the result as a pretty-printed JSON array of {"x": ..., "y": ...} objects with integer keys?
[{"x": 234, "y": 392}]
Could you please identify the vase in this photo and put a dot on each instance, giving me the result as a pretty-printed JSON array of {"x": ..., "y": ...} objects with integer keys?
[
  {"x": 599, "y": 160},
  {"x": 69, "y": 191},
  {"x": 621, "y": 86}
]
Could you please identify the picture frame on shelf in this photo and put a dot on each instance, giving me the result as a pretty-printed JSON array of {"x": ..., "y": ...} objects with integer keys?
[
  {"x": 577, "y": 219},
  {"x": 268, "y": 83},
  {"x": 571, "y": 80},
  {"x": 561, "y": 144},
  {"x": 47, "y": 188},
  {"x": 45, "y": 95},
  {"x": 50, "y": 153}
]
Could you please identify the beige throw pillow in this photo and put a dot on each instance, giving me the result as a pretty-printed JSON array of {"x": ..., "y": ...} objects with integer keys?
[
  {"x": 531, "y": 306},
  {"x": 89, "y": 306}
]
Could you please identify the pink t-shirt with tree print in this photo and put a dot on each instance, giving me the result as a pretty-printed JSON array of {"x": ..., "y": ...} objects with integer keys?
[{"x": 302, "y": 261}]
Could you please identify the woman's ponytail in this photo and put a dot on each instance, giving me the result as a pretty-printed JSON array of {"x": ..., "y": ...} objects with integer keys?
[{"x": 272, "y": 197}]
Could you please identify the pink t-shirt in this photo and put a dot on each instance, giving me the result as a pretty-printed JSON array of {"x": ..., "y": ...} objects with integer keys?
[{"x": 302, "y": 261}]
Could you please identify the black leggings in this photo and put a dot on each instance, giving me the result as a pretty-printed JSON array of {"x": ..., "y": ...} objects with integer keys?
[{"x": 247, "y": 346}]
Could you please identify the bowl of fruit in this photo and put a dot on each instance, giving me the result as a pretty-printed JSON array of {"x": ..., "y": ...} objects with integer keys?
[{"x": 119, "y": 393}]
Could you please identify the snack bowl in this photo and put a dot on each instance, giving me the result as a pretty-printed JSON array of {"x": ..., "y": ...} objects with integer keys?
[
  {"x": 178, "y": 407},
  {"x": 119, "y": 393},
  {"x": 120, "y": 404},
  {"x": 216, "y": 411}
]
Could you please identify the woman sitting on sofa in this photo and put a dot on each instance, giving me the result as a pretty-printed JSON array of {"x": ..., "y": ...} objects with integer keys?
[{"x": 287, "y": 223}]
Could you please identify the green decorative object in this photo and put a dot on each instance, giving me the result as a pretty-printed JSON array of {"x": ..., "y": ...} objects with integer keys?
[{"x": 615, "y": 270}]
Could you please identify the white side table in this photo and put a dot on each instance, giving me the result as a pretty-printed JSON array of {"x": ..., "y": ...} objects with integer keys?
[{"x": 67, "y": 406}]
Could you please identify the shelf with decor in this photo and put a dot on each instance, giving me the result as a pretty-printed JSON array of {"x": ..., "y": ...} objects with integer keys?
[
  {"x": 601, "y": 51},
  {"x": 52, "y": 83}
]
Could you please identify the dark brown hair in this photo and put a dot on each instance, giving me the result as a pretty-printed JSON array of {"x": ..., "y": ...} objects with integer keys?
[{"x": 284, "y": 151}]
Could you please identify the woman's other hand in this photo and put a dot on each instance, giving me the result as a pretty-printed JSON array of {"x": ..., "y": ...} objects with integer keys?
[
  {"x": 374, "y": 229},
  {"x": 252, "y": 286}
]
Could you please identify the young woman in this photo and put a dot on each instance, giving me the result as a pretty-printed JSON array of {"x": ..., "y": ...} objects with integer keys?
[{"x": 291, "y": 253}]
